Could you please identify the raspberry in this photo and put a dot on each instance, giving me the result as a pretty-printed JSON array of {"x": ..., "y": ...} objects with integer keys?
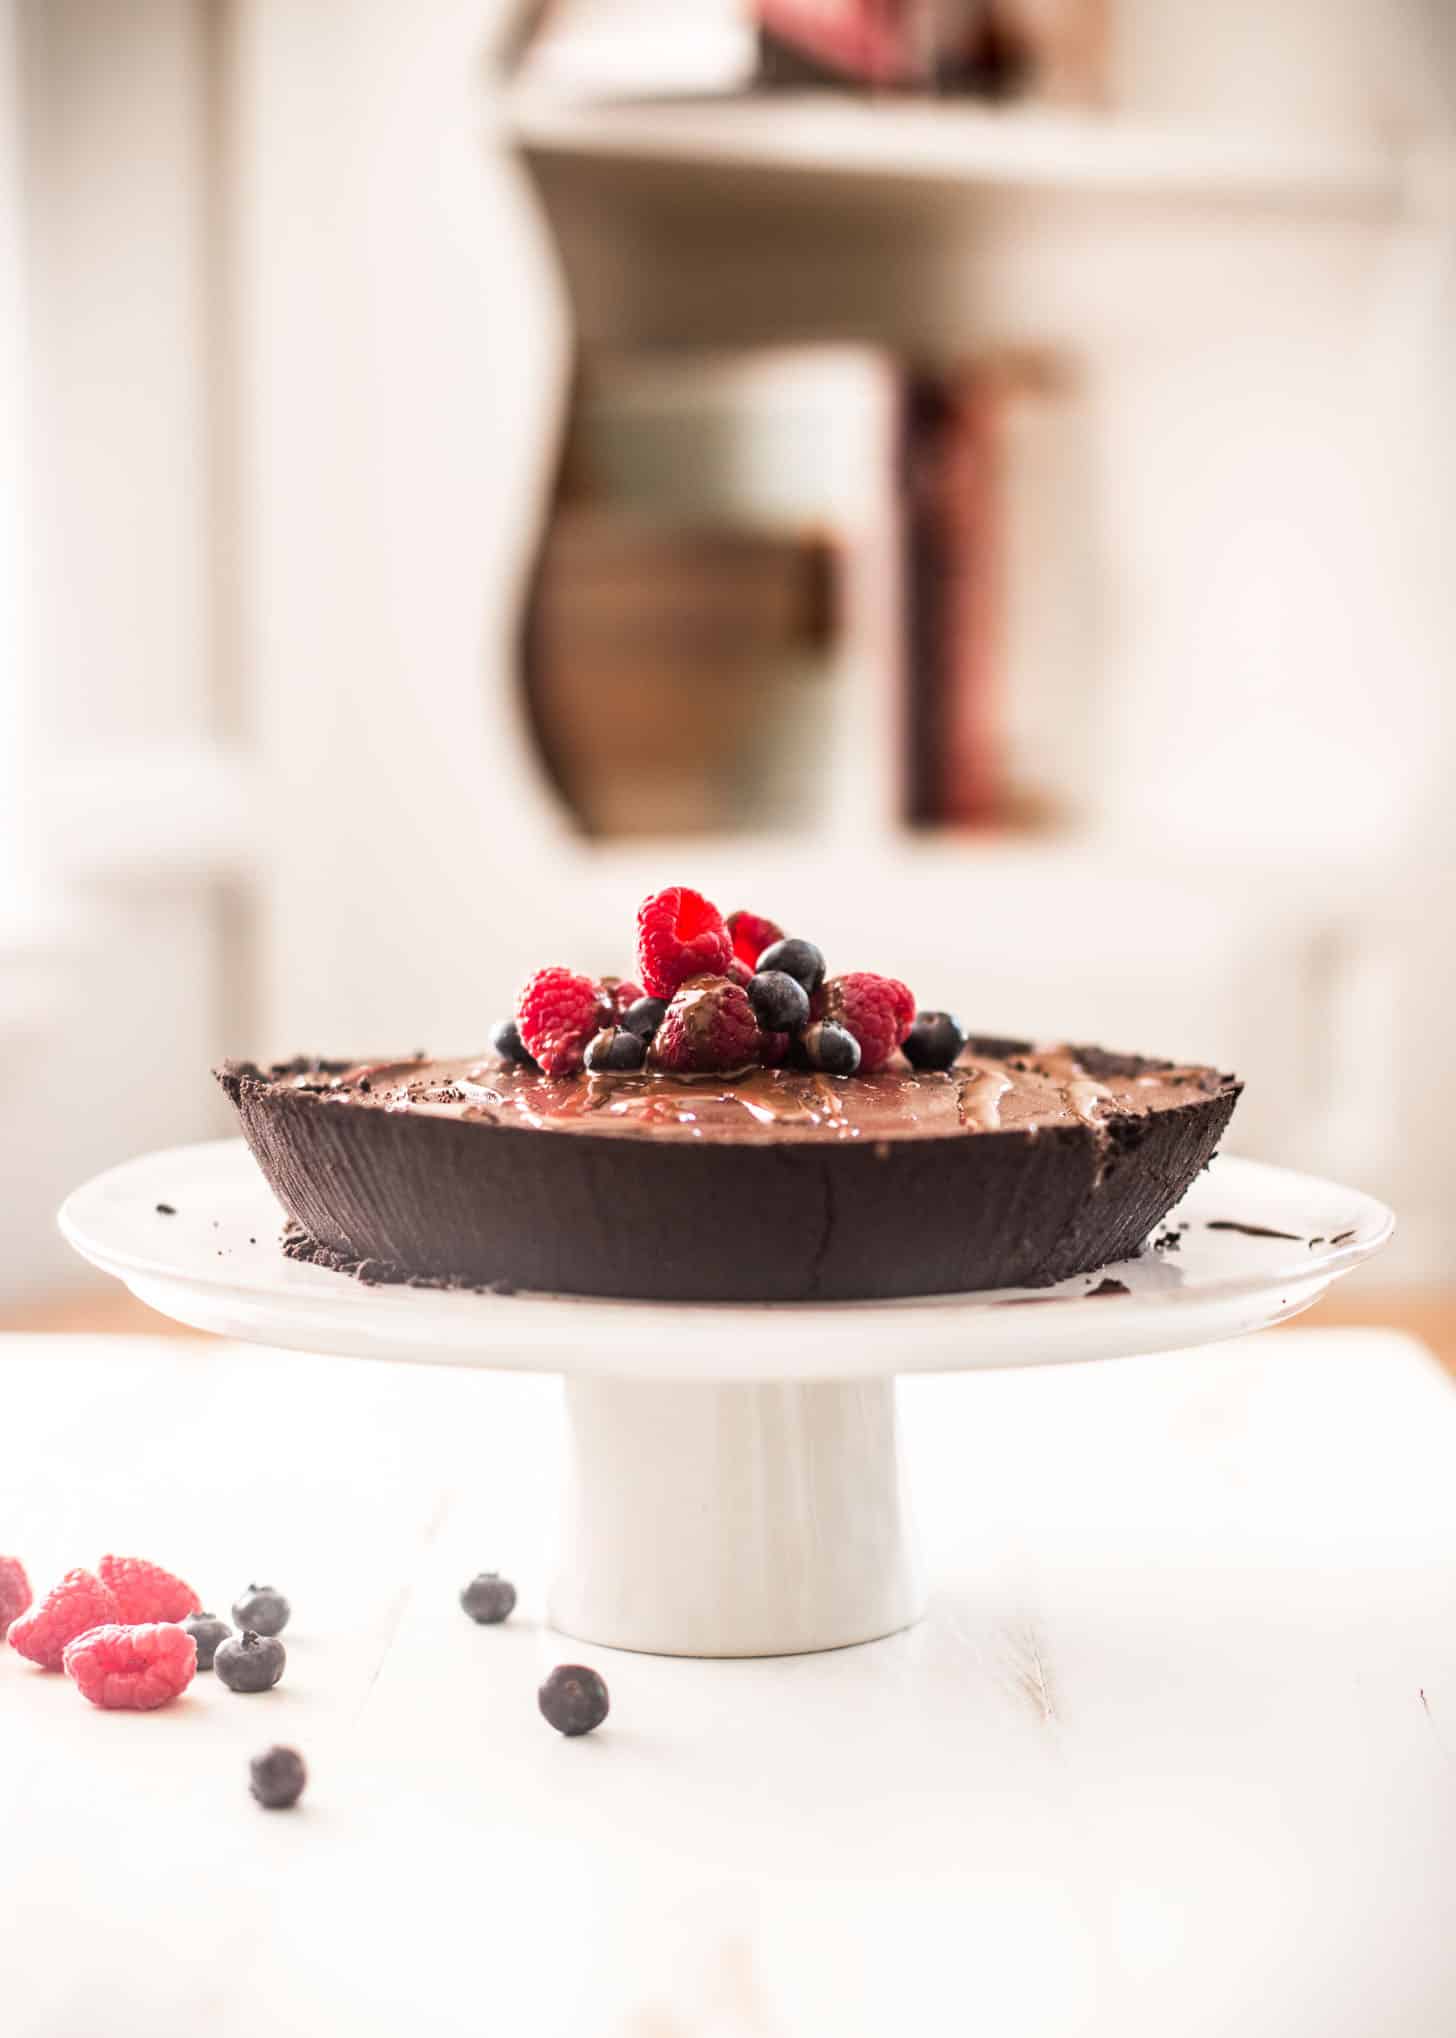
[
  {"x": 79, "y": 1602},
  {"x": 709, "y": 1025},
  {"x": 15, "y": 1592},
  {"x": 878, "y": 1011},
  {"x": 773, "y": 1048},
  {"x": 617, "y": 996},
  {"x": 679, "y": 935},
  {"x": 738, "y": 972},
  {"x": 132, "y": 1669},
  {"x": 145, "y": 1592},
  {"x": 751, "y": 934},
  {"x": 557, "y": 1014}
]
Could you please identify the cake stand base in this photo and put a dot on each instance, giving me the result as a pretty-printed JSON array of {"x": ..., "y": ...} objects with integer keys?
[{"x": 712, "y": 1520}]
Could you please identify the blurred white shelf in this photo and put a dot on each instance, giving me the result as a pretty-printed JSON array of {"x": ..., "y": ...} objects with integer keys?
[{"x": 936, "y": 144}]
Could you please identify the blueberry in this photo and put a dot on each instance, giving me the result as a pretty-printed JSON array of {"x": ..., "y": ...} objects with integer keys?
[
  {"x": 278, "y": 1778},
  {"x": 800, "y": 960},
  {"x": 573, "y": 1699},
  {"x": 831, "y": 1049},
  {"x": 780, "y": 1002},
  {"x": 207, "y": 1631},
  {"x": 645, "y": 1016},
  {"x": 488, "y": 1597},
  {"x": 934, "y": 1041},
  {"x": 508, "y": 1044},
  {"x": 250, "y": 1662},
  {"x": 263, "y": 1610},
  {"x": 615, "y": 1047}
]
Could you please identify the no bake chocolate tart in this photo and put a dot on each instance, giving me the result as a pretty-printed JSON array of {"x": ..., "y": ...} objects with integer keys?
[
  {"x": 738, "y": 1127},
  {"x": 1016, "y": 1166}
]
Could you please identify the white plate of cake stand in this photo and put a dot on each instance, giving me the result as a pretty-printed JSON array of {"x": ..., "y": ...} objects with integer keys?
[{"x": 735, "y": 1484}]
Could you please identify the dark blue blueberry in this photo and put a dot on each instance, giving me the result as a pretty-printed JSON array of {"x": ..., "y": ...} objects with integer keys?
[
  {"x": 573, "y": 1699},
  {"x": 207, "y": 1631},
  {"x": 278, "y": 1778},
  {"x": 250, "y": 1662},
  {"x": 508, "y": 1044},
  {"x": 263, "y": 1610},
  {"x": 798, "y": 959},
  {"x": 645, "y": 1016},
  {"x": 615, "y": 1047},
  {"x": 934, "y": 1041},
  {"x": 488, "y": 1598},
  {"x": 831, "y": 1049},
  {"x": 780, "y": 1002}
]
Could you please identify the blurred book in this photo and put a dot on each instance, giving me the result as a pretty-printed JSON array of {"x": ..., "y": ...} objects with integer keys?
[{"x": 1000, "y": 559}]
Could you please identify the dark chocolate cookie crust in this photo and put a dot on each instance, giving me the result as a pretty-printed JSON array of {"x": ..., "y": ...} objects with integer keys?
[{"x": 401, "y": 1195}]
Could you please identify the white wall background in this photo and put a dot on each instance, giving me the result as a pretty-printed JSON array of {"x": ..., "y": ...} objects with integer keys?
[{"x": 300, "y": 342}]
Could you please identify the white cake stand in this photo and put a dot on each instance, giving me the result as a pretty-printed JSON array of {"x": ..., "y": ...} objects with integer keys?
[{"x": 735, "y": 1484}]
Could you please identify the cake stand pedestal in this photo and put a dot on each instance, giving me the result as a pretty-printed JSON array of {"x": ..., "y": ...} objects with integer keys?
[
  {"x": 710, "y": 1520},
  {"x": 735, "y": 1483}
]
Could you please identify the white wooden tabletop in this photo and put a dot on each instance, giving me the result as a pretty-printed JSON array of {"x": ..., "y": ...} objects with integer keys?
[{"x": 1174, "y": 1752}]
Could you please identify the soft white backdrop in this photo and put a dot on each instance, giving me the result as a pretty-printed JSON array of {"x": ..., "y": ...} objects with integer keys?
[{"x": 296, "y": 344}]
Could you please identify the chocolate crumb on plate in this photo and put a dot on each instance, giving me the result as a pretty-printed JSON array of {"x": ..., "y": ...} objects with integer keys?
[
  {"x": 166, "y": 1210},
  {"x": 1342, "y": 1237},
  {"x": 1108, "y": 1286},
  {"x": 1252, "y": 1230}
]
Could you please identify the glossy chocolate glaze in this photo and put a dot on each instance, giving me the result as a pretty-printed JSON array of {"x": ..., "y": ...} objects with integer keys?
[{"x": 1026, "y": 1091}]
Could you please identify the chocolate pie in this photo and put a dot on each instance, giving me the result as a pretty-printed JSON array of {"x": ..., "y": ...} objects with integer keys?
[{"x": 1016, "y": 1166}]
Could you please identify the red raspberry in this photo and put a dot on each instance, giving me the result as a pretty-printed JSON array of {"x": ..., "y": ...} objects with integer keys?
[
  {"x": 878, "y": 1011},
  {"x": 557, "y": 1014},
  {"x": 616, "y": 994},
  {"x": 773, "y": 1048},
  {"x": 145, "y": 1592},
  {"x": 738, "y": 972},
  {"x": 132, "y": 1669},
  {"x": 709, "y": 1026},
  {"x": 15, "y": 1592},
  {"x": 751, "y": 934},
  {"x": 904, "y": 1006},
  {"x": 68, "y": 1609},
  {"x": 679, "y": 935}
]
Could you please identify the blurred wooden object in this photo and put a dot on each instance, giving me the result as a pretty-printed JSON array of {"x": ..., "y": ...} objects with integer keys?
[{"x": 665, "y": 665}]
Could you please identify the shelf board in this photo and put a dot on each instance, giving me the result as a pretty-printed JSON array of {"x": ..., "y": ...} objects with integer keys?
[{"x": 938, "y": 144}]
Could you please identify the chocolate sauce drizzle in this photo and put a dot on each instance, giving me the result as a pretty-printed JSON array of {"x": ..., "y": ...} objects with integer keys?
[{"x": 1032, "y": 1090}]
